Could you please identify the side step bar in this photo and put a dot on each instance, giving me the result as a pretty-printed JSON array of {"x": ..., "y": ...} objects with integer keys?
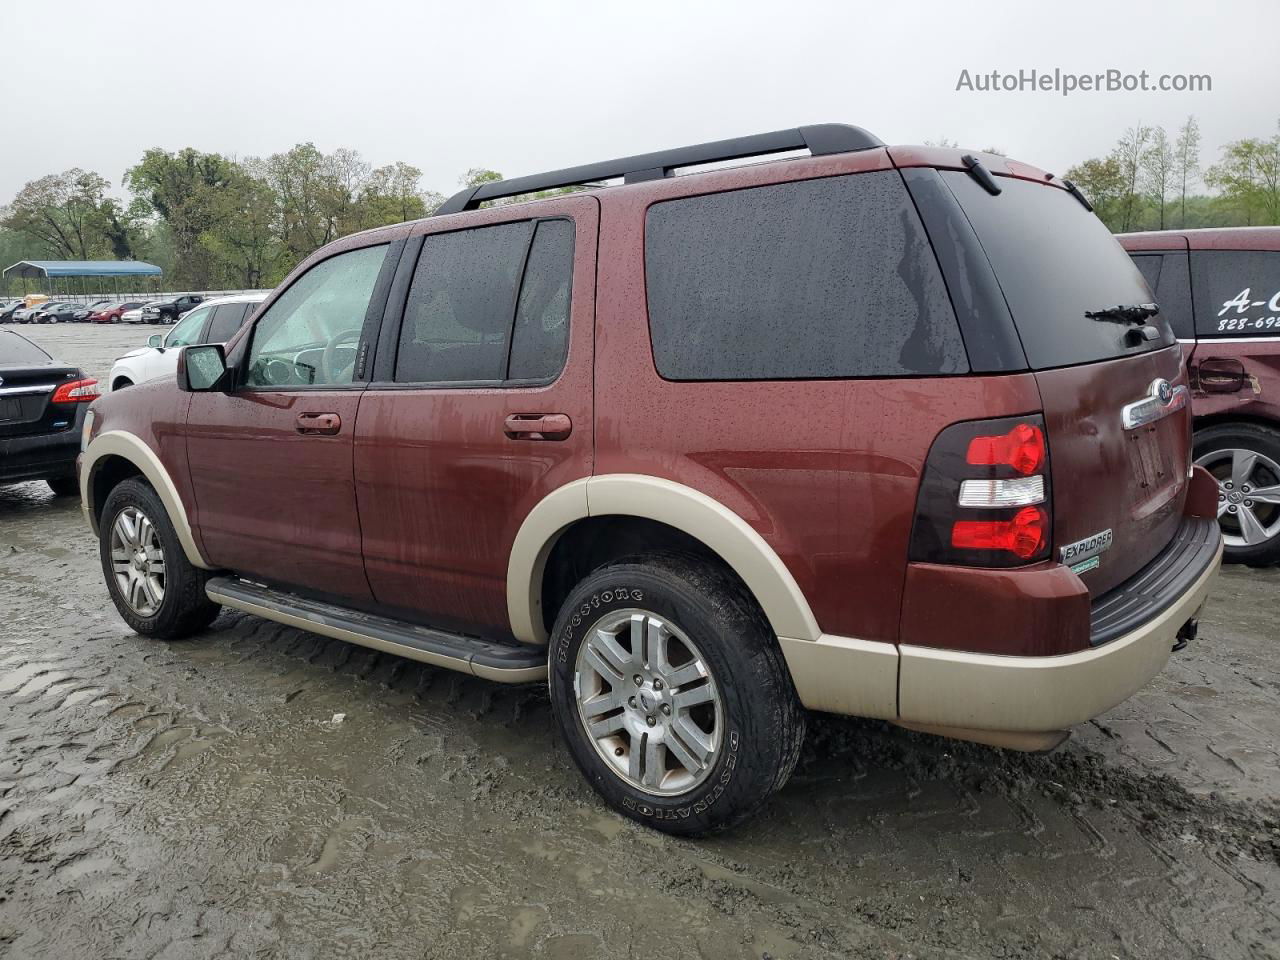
[{"x": 505, "y": 663}]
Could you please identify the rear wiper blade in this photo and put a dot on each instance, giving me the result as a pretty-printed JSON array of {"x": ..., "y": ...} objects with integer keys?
[{"x": 1124, "y": 313}]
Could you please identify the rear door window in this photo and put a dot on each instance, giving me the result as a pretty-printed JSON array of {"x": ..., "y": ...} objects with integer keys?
[
  {"x": 827, "y": 278},
  {"x": 1237, "y": 293},
  {"x": 1055, "y": 261},
  {"x": 540, "y": 337},
  {"x": 226, "y": 321},
  {"x": 1168, "y": 276}
]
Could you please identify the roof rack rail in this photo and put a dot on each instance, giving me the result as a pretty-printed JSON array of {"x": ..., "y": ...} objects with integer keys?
[{"x": 820, "y": 139}]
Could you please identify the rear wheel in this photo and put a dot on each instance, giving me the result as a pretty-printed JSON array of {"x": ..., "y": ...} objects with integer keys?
[
  {"x": 672, "y": 694},
  {"x": 1245, "y": 460},
  {"x": 156, "y": 590}
]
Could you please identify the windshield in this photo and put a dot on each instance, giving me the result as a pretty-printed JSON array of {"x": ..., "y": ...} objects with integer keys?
[
  {"x": 187, "y": 330},
  {"x": 1055, "y": 262}
]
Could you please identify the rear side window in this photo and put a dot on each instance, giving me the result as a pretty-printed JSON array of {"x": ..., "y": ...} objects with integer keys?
[
  {"x": 541, "y": 334},
  {"x": 1237, "y": 293},
  {"x": 226, "y": 321},
  {"x": 1169, "y": 278},
  {"x": 489, "y": 304},
  {"x": 826, "y": 278},
  {"x": 1055, "y": 261}
]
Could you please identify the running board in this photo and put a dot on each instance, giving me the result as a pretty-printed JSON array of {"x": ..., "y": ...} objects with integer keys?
[{"x": 503, "y": 662}]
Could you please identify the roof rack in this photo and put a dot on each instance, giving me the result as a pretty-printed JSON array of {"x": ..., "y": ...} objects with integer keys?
[{"x": 820, "y": 140}]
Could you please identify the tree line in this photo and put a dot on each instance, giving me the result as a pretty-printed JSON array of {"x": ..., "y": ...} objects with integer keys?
[
  {"x": 213, "y": 221},
  {"x": 216, "y": 222},
  {"x": 1153, "y": 181}
]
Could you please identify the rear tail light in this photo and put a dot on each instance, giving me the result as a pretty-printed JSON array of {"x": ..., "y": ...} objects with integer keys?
[
  {"x": 1022, "y": 448},
  {"x": 985, "y": 498},
  {"x": 1024, "y": 536},
  {"x": 76, "y": 391}
]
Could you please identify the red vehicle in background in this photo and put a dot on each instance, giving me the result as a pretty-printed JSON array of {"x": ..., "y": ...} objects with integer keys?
[
  {"x": 1220, "y": 290},
  {"x": 112, "y": 312}
]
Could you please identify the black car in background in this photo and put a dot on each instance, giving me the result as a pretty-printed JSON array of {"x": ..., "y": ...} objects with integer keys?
[
  {"x": 170, "y": 310},
  {"x": 8, "y": 308},
  {"x": 42, "y": 410}
]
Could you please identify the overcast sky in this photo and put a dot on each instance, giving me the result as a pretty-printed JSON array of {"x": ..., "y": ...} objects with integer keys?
[{"x": 522, "y": 87}]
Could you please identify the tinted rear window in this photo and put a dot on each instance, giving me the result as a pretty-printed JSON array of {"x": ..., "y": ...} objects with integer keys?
[
  {"x": 814, "y": 279},
  {"x": 15, "y": 349},
  {"x": 1237, "y": 293},
  {"x": 1054, "y": 261}
]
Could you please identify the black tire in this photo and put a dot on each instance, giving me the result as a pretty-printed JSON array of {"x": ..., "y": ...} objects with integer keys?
[
  {"x": 1261, "y": 440},
  {"x": 763, "y": 722},
  {"x": 184, "y": 608},
  {"x": 121, "y": 384},
  {"x": 64, "y": 486}
]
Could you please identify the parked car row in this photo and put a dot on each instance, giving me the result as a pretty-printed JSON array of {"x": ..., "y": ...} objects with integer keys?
[
  {"x": 168, "y": 310},
  {"x": 895, "y": 432}
]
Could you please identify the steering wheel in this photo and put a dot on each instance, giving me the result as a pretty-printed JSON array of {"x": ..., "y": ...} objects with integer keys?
[{"x": 331, "y": 350}]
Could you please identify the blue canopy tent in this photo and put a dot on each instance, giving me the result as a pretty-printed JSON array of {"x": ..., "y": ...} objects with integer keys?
[{"x": 67, "y": 270}]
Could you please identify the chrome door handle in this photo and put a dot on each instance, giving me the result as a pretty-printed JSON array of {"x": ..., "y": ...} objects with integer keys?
[
  {"x": 318, "y": 424},
  {"x": 538, "y": 426}
]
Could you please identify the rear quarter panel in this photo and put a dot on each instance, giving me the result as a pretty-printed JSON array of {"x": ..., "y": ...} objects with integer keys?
[{"x": 825, "y": 471}]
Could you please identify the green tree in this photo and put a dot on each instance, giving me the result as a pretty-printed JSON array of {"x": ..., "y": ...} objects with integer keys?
[
  {"x": 392, "y": 194},
  {"x": 244, "y": 238},
  {"x": 1159, "y": 166},
  {"x": 1249, "y": 177},
  {"x": 184, "y": 190},
  {"x": 70, "y": 216},
  {"x": 1128, "y": 154},
  {"x": 1187, "y": 154},
  {"x": 1103, "y": 182}
]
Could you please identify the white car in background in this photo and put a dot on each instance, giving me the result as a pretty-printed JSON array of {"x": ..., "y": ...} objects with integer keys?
[
  {"x": 132, "y": 316},
  {"x": 214, "y": 321}
]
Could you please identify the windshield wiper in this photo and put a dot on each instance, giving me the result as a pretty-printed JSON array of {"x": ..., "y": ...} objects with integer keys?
[{"x": 1124, "y": 313}]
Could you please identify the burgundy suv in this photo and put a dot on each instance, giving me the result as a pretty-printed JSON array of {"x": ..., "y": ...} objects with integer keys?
[
  {"x": 1220, "y": 290},
  {"x": 884, "y": 431}
]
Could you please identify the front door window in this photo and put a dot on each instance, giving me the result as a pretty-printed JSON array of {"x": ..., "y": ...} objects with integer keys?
[{"x": 310, "y": 335}]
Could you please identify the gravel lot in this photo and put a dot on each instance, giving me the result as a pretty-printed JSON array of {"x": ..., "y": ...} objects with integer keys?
[{"x": 198, "y": 799}]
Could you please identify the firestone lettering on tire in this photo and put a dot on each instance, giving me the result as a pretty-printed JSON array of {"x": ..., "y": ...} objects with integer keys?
[{"x": 621, "y": 593}]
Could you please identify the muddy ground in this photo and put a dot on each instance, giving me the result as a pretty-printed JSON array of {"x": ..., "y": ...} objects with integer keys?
[{"x": 197, "y": 799}]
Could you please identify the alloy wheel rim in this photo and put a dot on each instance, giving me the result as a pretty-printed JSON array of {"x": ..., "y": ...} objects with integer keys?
[
  {"x": 648, "y": 702},
  {"x": 137, "y": 561},
  {"x": 1248, "y": 495}
]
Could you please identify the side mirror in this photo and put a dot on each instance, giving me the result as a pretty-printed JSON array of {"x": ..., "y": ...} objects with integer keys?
[
  {"x": 1219, "y": 375},
  {"x": 203, "y": 368},
  {"x": 155, "y": 340}
]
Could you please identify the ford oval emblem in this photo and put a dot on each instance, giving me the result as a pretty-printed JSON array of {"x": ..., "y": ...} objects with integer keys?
[{"x": 1162, "y": 389}]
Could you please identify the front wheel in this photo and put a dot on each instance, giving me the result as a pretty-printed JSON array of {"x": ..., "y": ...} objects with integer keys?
[
  {"x": 672, "y": 694},
  {"x": 156, "y": 590},
  {"x": 1245, "y": 460}
]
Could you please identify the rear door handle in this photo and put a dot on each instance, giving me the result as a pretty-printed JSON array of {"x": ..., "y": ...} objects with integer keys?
[
  {"x": 318, "y": 424},
  {"x": 538, "y": 426}
]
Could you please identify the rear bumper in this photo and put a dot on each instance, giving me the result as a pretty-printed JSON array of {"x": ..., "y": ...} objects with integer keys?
[
  {"x": 984, "y": 692},
  {"x": 42, "y": 456}
]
